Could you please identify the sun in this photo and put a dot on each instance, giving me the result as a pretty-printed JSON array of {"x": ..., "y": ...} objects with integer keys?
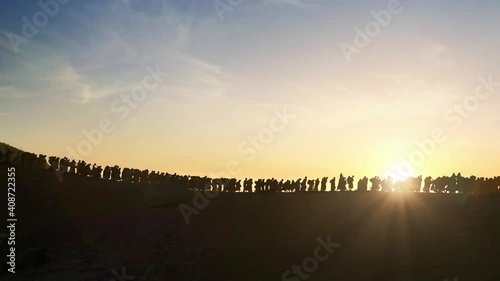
[{"x": 394, "y": 174}]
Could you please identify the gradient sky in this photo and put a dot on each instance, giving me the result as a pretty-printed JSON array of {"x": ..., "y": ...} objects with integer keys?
[{"x": 228, "y": 76}]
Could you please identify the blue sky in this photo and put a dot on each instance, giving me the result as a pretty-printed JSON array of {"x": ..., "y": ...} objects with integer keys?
[{"x": 226, "y": 76}]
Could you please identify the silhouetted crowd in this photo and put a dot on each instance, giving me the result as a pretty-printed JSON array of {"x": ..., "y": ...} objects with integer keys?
[{"x": 455, "y": 183}]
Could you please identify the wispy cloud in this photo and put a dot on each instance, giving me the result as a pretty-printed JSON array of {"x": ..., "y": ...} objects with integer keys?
[
  {"x": 432, "y": 51},
  {"x": 196, "y": 80},
  {"x": 11, "y": 92},
  {"x": 66, "y": 82}
]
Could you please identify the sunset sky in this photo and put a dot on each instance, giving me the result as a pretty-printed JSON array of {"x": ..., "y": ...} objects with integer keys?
[{"x": 230, "y": 72}]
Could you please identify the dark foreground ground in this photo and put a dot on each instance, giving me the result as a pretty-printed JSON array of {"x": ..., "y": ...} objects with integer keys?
[{"x": 89, "y": 228}]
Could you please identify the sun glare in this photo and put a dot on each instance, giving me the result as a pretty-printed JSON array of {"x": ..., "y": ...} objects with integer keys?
[{"x": 394, "y": 174}]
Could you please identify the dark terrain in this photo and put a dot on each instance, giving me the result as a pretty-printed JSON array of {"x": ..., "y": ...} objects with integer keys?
[{"x": 89, "y": 227}]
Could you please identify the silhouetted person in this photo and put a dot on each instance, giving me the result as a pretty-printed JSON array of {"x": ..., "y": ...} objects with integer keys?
[
  {"x": 452, "y": 184},
  {"x": 342, "y": 183},
  {"x": 440, "y": 184},
  {"x": 418, "y": 184},
  {"x": 72, "y": 167},
  {"x": 460, "y": 183},
  {"x": 107, "y": 173},
  {"x": 238, "y": 185},
  {"x": 310, "y": 184},
  {"x": 303, "y": 184},
  {"x": 427, "y": 184},
  {"x": 364, "y": 184},
  {"x": 350, "y": 182},
  {"x": 63, "y": 165},
  {"x": 332, "y": 184},
  {"x": 323, "y": 184},
  {"x": 54, "y": 163},
  {"x": 375, "y": 183},
  {"x": 115, "y": 173}
]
